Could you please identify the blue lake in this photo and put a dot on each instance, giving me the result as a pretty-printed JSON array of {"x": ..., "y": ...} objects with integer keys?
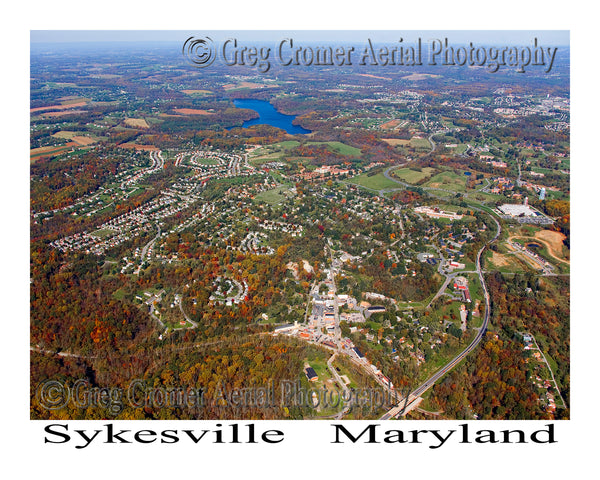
[{"x": 269, "y": 116}]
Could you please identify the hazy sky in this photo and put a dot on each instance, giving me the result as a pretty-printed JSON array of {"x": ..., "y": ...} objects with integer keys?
[{"x": 499, "y": 37}]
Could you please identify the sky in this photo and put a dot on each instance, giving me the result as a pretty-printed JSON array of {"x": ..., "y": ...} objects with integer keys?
[{"x": 498, "y": 37}]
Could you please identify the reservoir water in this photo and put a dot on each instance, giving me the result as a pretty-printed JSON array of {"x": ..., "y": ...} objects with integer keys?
[{"x": 269, "y": 116}]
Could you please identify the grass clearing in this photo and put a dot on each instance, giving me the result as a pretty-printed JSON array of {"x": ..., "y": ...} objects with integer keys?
[
  {"x": 375, "y": 182},
  {"x": 136, "y": 123},
  {"x": 340, "y": 148},
  {"x": 274, "y": 196},
  {"x": 411, "y": 176},
  {"x": 105, "y": 232},
  {"x": 448, "y": 181},
  {"x": 420, "y": 143}
]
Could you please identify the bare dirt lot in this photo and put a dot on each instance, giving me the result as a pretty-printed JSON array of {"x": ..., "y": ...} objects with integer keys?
[
  {"x": 551, "y": 240},
  {"x": 554, "y": 241},
  {"x": 499, "y": 260}
]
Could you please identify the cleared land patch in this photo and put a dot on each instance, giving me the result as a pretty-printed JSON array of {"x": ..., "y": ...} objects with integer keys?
[
  {"x": 554, "y": 241},
  {"x": 396, "y": 141},
  {"x": 274, "y": 196},
  {"x": 76, "y": 137},
  {"x": 58, "y": 107},
  {"x": 250, "y": 85},
  {"x": 447, "y": 181},
  {"x": 61, "y": 113},
  {"x": 411, "y": 176},
  {"x": 554, "y": 249},
  {"x": 197, "y": 92},
  {"x": 339, "y": 147},
  {"x": 390, "y": 124},
  {"x": 375, "y": 182},
  {"x": 417, "y": 142},
  {"x": 137, "y": 122},
  {"x": 193, "y": 111},
  {"x": 420, "y": 76},
  {"x": 50, "y": 151}
]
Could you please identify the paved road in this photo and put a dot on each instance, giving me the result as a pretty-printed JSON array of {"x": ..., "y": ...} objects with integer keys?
[
  {"x": 150, "y": 243},
  {"x": 194, "y": 324},
  {"x": 415, "y": 394},
  {"x": 340, "y": 382}
]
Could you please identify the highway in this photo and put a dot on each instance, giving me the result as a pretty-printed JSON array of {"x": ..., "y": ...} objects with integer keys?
[
  {"x": 415, "y": 394},
  {"x": 406, "y": 402}
]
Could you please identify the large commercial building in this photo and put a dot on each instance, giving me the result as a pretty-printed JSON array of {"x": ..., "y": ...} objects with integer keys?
[
  {"x": 435, "y": 212},
  {"x": 517, "y": 210}
]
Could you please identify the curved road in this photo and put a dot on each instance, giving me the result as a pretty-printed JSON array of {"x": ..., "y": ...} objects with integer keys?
[{"x": 406, "y": 402}]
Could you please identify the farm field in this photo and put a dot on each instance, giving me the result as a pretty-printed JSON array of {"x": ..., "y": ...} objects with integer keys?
[
  {"x": 58, "y": 107},
  {"x": 76, "y": 137},
  {"x": 136, "y": 122},
  {"x": 51, "y": 151},
  {"x": 193, "y": 111},
  {"x": 197, "y": 92},
  {"x": 396, "y": 141}
]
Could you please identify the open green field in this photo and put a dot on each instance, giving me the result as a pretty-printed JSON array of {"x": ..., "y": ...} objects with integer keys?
[
  {"x": 420, "y": 143},
  {"x": 460, "y": 148},
  {"x": 287, "y": 144},
  {"x": 339, "y": 147},
  {"x": 277, "y": 147},
  {"x": 197, "y": 93},
  {"x": 543, "y": 170},
  {"x": 483, "y": 197},
  {"x": 474, "y": 288},
  {"x": 105, "y": 232},
  {"x": 270, "y": 157},
  {"x": 208, "y": 161},
  {"x": 65, "y": 134},
  {"x": 375, "y": 182},
  {"x": 272, "y": 152},
  {"x": 449, "y": 311},
  {"x": 274, "y": 196},
  {"x": 411, "y": 176},
  {"x": 448, "y": 181}
]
